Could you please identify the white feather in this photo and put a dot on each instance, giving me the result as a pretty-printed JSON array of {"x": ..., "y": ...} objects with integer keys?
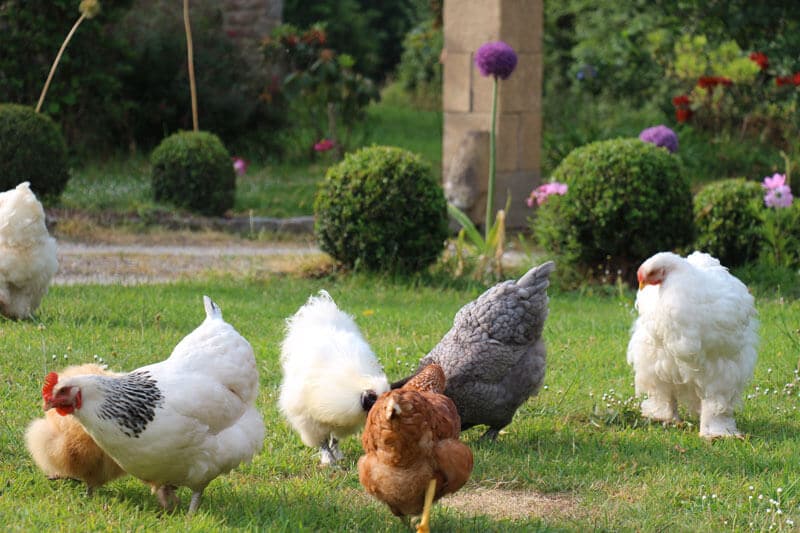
[
  {"x": 327, "y": 365},
  {"x": 695, "y": 340},
  {"x": 28, "y": 258},
  {"x": 207, "y": 422}
]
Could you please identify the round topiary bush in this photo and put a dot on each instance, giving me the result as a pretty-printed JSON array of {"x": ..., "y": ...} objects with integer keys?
[
  {"x": 31, "y": 149},
  {"x": 626, "y": 200},
  {"x": 194, "y": 170},
  {"x": 728, "y": 217},
  {"x": 381, "y": 209}
]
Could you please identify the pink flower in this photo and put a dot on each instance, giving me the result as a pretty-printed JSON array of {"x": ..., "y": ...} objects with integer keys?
[
  {"x": 777, "y": 180},
  {"x": 540, "y": 193},
  {"x": 239, "y": 165},
  {"x": 324, "y": 145},
  {"x": 777, "y": 194}
]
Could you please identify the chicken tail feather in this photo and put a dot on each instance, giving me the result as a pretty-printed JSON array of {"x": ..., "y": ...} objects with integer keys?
[
  {"x": 538, "y": 278},
  {"x": 212, "y": 310}
]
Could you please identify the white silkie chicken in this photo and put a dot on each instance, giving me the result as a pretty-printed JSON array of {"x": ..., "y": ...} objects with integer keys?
[
  {"x": 331, "y": 377},
  {"x": 180, "y": 422},
  {"x": 694, "y": 341},
  {"x": 28, "y": 257}
]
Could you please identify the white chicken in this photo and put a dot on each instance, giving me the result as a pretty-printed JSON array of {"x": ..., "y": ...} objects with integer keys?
[
  {"x": 28, "y": 258},
  {"x": 331, "y": 377},
  {"x": 694, "y": 341},
  {"x": 180, "y": 422}
]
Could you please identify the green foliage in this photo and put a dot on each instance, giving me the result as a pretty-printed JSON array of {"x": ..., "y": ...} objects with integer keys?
[
  {"x": 419, "y": 70},
  {"x": 486, "y": 260},
  {"x": 194, "y": 170},
  {"x": 627, "y": 200},
  {"x": 370, "y": 32},
  {"x": 84, "y": 97},
  {"x": 781, "y": 232},
  {"x": 727, "y": 217},
  {"x": 228, "y": 88},
  {"x": 31, "y": 149},
  {"x": 326, "y": 93},
  {"x": 381, "y": 209}
]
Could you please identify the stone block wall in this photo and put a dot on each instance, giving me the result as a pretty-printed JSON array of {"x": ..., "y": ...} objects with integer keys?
[{"x": 467, "y": 96}]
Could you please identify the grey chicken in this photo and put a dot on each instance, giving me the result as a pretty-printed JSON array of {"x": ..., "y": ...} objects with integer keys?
[{"x": 494, "y": 357}]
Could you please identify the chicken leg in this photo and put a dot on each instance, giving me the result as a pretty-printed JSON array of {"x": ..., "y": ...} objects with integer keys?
[{"x": 425, "y": 523}]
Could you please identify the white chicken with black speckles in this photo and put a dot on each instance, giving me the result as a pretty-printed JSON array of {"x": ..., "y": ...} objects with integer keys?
[
  {"x": 694, "y": 342},
  {"x": 181, "y": 422}
]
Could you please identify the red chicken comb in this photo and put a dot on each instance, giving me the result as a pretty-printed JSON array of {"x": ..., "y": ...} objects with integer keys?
[{"x": 49, "y": 382}]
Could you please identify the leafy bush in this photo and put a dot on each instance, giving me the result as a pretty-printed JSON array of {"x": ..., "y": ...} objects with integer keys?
[
  {"x": 31, "y": 149},
  {"x": 420, "y": 70},
  {"x": 381, "y": 209},
  {"x": 327, "y": 95},
  {"x": 157, "y": 79},
  {"x": 84, "y": 97},
  {"x": 626, "y": 200},
  {"x": 194, "y": 170},
  {"x": 371, "y": 32},
  {"x": 727, "y": 216}
]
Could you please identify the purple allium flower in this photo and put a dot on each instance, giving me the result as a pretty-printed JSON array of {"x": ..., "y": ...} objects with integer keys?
[
  {"x": 660, "y": 136},
  {"x": 239, "y": 166},
  {"x": 540, "y": 193},
  {"x": 777, "y": 194},
  {"x": 496, "y": 59}
]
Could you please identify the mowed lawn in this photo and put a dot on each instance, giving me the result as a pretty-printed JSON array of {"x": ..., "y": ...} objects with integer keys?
[{"x": 577, "y": 457}]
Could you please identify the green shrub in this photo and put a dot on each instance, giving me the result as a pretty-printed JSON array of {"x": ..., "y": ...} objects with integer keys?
[
  {"x": 194, "y": 170},
  {"x": 626, "y": 200},
  {"x": 420, "y": 70},
  {"x": 381, "y": 209},
  {"x": 31, "y": 149},
  {"x": 728, "y": 216}
]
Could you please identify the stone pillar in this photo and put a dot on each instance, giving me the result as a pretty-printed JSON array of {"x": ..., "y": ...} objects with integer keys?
[{"x": 467, "y": 97}]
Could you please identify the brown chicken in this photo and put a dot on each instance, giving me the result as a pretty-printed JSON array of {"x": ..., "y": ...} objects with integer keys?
[
  {"x": 62, "y": 449},
  {"x": 411, "y": 438}
]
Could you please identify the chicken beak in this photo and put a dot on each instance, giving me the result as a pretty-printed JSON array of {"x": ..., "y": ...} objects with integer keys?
[{"x": 641, "y": 284}]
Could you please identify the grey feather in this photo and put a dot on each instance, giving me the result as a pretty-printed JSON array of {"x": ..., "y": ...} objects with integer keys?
[{"x": 494, "y": 356}]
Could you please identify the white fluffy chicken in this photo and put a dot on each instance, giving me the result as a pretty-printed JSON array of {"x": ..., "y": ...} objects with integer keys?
[
  {"x": 180, "y": 422},
  {"x": 694, "y": 341},
  {"x": 28, "y": 258},
  {"x": 331, "y": 377}
]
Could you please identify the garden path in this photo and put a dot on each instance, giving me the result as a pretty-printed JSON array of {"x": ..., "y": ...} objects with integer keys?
[{"x": 142, "y": 262}]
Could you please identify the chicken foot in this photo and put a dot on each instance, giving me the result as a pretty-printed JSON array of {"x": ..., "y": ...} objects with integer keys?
[{"x": 329, "y": 451}]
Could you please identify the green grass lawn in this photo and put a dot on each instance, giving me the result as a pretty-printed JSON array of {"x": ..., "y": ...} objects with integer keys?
[
  {"x": 267, "y": 189},
  {"x": 579, "y": 445}
]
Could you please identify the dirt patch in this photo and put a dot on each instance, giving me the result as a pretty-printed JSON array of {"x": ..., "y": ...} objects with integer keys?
[{"x": 503, "y": 504}]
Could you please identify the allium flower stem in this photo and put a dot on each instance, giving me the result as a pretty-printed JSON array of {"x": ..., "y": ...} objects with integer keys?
[
  {"x": 492, "y": 157},
  {"x": 190, "y": 58},
  {"x": 58, "y": 58}
]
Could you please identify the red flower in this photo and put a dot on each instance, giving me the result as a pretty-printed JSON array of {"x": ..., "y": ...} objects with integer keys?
[
  {"x": 681, "y": 100},
  {"x": 324, "y": 145},
  {"x": 783, "y": 80},
  {"x": 796, "y": 78},
  {"x": 709, "y": 82},
  {"x": 761, "y": 59},
  {"x": 682, "y": 115}
]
